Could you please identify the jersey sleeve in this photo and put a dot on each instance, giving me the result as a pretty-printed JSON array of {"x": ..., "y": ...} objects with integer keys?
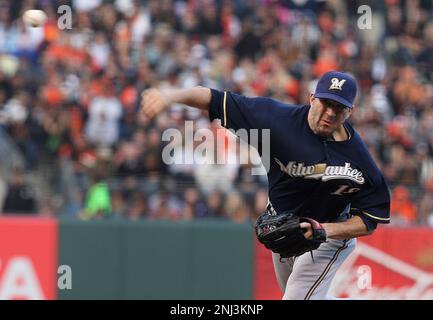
[
  {"x": 373, "y": 204},
  {"x": 241, "y": 112}
]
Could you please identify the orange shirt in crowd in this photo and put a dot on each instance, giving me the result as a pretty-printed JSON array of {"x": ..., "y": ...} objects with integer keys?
[{"x": 402, "y": 205}]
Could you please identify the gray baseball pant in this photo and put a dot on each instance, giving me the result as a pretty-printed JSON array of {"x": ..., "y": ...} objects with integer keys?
[{"x": 309, "y": 278}]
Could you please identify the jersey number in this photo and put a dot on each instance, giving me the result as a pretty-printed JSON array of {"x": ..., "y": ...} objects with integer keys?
[{"x": 345, "y": 189}]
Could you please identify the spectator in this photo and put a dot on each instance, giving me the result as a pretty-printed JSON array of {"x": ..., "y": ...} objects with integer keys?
[
  {"x": 102, "y": 127},
  {"x": 128, "y": 160},
  {"x": 164, "y": 206},
  {"x": 236, "y": 209},
  {"x": 214, "y": 203},
  {"x": 119, "y": 205},
  {"x": 138, "y": 208},
  {"x": 20, "y": 197},
  {"x": 425, "y": 209},
  {"x": 98, "y": 201},
  {"x": 260, "y": 202},
  {"x": 402, "y": 208},
  {"x": 65, "y": 93},
  {"x": 194, "y": 206}
]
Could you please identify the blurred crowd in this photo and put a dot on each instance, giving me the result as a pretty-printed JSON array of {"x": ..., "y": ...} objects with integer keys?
[{"x": 69, "y": 98}]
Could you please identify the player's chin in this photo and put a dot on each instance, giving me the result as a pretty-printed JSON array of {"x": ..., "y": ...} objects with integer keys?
[{"x": 324, "y": 131}]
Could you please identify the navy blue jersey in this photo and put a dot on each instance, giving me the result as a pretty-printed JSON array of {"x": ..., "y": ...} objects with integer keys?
[{"x": 309, "y": 175}]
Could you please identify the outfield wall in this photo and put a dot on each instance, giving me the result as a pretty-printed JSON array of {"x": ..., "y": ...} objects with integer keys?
[
  {"x": 129, "y": 260},
  {"x": 45, "y": 258}
]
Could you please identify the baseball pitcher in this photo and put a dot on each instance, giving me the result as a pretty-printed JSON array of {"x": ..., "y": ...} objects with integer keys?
[{"x": 324, "y": 188}]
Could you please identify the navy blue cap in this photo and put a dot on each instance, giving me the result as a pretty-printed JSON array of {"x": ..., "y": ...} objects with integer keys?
[{"x": 338, "y": 86}]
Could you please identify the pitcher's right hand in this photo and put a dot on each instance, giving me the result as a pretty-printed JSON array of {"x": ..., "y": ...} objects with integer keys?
[{"x": 153, "y": 102}]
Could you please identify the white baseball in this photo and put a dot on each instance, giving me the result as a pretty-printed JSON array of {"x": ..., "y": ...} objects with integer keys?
[{"x": 34, "y": 18}]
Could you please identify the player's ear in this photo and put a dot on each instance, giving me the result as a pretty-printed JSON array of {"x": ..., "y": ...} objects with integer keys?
[
  {"x": 311, "y": 98},
  {"x": 350, "y": 112}
]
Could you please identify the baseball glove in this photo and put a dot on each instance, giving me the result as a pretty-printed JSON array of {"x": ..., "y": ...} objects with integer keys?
[{"x": 282, "y": 234}]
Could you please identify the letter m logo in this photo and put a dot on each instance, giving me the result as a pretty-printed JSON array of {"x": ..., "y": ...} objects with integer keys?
[{"x": 336, "y": 84}]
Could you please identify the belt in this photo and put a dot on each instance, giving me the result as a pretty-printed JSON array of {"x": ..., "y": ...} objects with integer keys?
[{"x": 342, "y": 217}]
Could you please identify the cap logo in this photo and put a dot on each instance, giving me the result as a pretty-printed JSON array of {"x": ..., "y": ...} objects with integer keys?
[{"x": 337, "y": 85}]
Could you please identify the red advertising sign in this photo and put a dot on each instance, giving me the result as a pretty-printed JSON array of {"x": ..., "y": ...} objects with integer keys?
[
  {"x": 265, "y": 283},
  {"x": 28, "y": 258},
  {"x": 392, "y": 264}
]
